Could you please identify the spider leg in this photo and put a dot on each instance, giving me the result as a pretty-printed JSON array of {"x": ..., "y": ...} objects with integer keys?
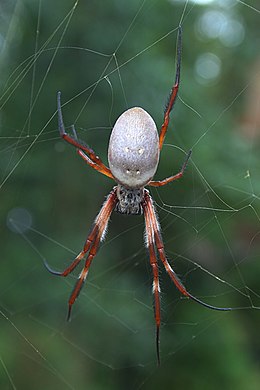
[
  {"x": 96, "y": 235},
  {"x": 93, "y": 165},
  {"x": 156, "y": 286},
  {"x": 84, "y": 273},
  {"x": 79, "y": 257},
  {"x": 174, "y": 91},
  {"x": 80, "y": 144},
  {"x": 160, "y": 248},
  {"x": 171, "y": 178}
]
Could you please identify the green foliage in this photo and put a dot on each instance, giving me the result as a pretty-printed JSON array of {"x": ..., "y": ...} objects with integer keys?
[{"x": 106, "y": 57}]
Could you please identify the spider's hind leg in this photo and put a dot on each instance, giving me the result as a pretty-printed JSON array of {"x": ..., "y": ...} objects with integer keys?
[
  {"x": 90, "y": 157},
  {"x": 174, "y": 91},
  {"x": 178, "y": 175}
]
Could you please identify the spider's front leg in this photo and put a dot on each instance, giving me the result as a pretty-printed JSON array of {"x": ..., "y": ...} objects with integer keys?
[
  {"x": 96, "y": 235},
  {"x": 158, "y": 242},
  {"x": 155, "y": 245},
  {"x": 154, "y": 264}
]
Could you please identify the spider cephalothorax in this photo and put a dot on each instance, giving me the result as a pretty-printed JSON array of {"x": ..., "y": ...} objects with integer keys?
[
  {"x": 133, "y": 156},
  {"x": 129, "y": 200}
]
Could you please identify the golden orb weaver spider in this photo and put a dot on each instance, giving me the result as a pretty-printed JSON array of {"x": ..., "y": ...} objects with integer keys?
[{"x": 133, "y": 156}]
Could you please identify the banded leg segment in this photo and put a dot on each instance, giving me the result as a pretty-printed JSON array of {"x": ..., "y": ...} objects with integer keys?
[
  {"x": 84, "y": 273},
  {"x": 91, "y": 246},
  {"x": 156, "y": 286},
  {"x": 160, "y": 249}
]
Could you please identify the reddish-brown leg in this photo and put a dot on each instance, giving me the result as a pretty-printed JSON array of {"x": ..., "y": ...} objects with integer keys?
[
  {"x": 89, "y": 241},
  {"x": 84, "y": 273},
  {"x": 174, "y": 91},
  {"x": 160, "y": 248},
  {"x": 80, "y": 144},
  {"x": 91, "y": 245},
  {"x": 171, "y": 178},
  {"x": 156, "y": 285},
  {"x": 93, "y": 165}
]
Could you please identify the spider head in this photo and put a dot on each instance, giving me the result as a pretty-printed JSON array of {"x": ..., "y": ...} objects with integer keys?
[{"x": 129, "y": 200}]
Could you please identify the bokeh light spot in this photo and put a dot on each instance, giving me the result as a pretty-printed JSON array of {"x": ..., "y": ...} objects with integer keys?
[
  {"x": 208, "y": 67},
  {"x": 19, "y": 220}
]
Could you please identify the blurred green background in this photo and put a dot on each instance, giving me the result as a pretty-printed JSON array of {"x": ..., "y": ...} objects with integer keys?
[{"x": 106, "y": 57}]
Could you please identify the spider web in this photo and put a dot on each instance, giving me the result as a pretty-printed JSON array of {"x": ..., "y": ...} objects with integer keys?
[{"x": 105, "y": 59}]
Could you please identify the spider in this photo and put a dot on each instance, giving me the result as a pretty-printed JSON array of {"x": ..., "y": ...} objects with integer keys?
[{"x": 133, "y": 156}]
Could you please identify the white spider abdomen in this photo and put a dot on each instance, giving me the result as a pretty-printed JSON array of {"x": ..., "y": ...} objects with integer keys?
[{"x": 133, "y": 152}]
